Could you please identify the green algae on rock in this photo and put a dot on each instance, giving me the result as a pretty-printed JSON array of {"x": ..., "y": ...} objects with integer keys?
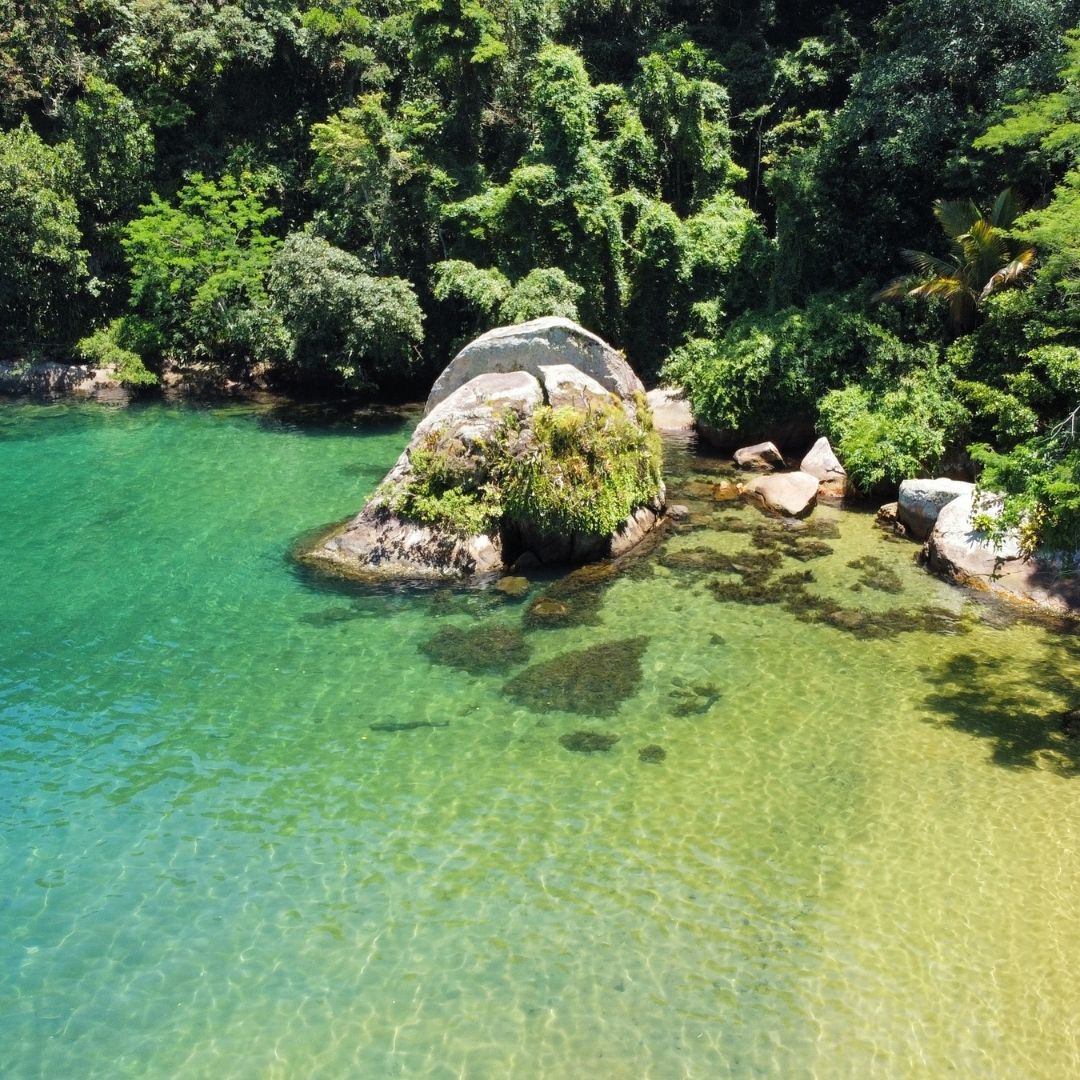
[
  {"x": 489, "y": 646},
  {"x": 593, "y": 681}
]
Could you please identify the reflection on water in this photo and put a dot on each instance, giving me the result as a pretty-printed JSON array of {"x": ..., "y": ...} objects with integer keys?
[{"x": 766, "y": 802}]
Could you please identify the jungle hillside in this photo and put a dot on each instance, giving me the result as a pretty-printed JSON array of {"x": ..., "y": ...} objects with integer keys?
[{"x": 861, "y": 217}]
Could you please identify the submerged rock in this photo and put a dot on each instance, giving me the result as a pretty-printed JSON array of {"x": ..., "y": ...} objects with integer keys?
[
  {"x": 593, "y": 681},
  {"x": 487, "y": 647},
  {"x": 921, "y": 501},
  {"x": 791, "y": 493},
  {"x": 513, "y": 588},
  {"x": 763, "y": 456},
  {"x": 587, "y": 742}
]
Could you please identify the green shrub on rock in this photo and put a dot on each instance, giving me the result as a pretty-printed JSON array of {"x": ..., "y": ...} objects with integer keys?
[
  {"x": 562, "y": 470},
  {"x": 106, "y": 348},
  {"x": 580, "y": 471}
]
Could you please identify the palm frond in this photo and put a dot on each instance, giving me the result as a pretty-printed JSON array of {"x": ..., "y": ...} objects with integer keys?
[
  {"x": 956, "y": 216},
  {"x": 896, "y": 289},
  {"x": 1009, "y": 274},
  {"x": 926, "y": 263},
  {"x": 1005, "y": 209},
  {"x": 944, "y": 287}
]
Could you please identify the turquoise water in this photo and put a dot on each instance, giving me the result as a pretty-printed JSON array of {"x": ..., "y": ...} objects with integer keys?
[{"x": 858, "y": 857}]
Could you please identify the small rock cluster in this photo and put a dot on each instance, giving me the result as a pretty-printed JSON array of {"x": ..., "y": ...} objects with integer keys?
[{"x": 793, "y": 493}]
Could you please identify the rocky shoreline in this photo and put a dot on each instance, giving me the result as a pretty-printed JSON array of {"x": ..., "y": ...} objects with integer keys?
[{"x": 938, "y": 514}]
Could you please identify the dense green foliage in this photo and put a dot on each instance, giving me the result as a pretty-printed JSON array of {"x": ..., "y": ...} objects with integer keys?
[
  {"x": 583, "y": 471},
  {"x": 343, "y": 191}
]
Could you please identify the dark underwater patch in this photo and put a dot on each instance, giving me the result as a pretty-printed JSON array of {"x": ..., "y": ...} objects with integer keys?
[
  {"x": 486, "y": 647},
  {"x": 593, "y": 681}
]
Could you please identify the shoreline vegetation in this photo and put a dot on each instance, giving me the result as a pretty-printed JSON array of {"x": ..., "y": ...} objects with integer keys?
[{"x": 857, "y": 221}]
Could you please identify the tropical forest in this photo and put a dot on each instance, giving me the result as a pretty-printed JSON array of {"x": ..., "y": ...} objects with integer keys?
[{"x": 542, "y": 539}]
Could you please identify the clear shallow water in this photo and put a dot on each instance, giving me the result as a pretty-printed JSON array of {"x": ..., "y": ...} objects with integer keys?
[{"x": 859, "y": 857}]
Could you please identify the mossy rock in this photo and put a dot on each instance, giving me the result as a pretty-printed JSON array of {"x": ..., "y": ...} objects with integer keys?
[
  {"x": 593, "y": 681},
  {"x": 487, "y": 647},
  {"x": 513, "y": 588}
]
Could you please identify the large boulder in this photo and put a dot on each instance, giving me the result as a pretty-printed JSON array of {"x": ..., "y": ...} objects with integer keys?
[
  {"x": 921, "y": 501},
  {"x": 792, "y": 493},
  {"x": 820, "y": 461},
  {"x": 763, "y": 456},
  {"x": 960, "y": 551},
  {"x": 670, "y": 409},
  {"x": 533, "y": 345},
  {"x": 480, "y": 485}
]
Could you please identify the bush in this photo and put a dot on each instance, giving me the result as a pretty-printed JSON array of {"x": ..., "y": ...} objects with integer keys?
[
  {"x": 343, "y": 321},
  {"x": 1040, "y": 481},
  {"x": 770, "y": 367},
  {"x": 104, "y": 348},
  {"x": 885, "y": 434}
]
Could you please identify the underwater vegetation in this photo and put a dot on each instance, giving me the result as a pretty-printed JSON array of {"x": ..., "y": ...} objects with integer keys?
[
  {"x": 758, "y": 584},
  {"x": 693, "y": 699},
  {"x": 486, "y": 647},
  {"x": 587, "y": 742},
  {"x": 573, "y": 600},
  {"x": 652, "y": 754},
  {"x": 406, "y": 725},
  {"x": 593, "y": 681},
  {"x": 875, "y": 575}
]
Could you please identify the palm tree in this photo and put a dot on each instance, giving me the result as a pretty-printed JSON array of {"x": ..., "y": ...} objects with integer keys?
[{"x": 981, "y": 262}]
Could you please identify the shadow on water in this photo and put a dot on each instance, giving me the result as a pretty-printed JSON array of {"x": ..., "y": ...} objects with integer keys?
[
  {"x": 1020, "y": 712},
  {"x": 322, "y": 418}
]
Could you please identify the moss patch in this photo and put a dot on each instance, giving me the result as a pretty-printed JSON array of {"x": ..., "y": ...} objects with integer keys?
[
  {"x": 593, "y": 681},
  {"x": 563, "y": 471},
  {"x": 573, "y": 470},
  {"x": 449, "y": 487}
]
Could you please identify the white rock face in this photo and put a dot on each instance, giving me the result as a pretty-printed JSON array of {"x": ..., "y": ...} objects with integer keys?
[
  {"x": 957, "y": 548},
  {"x": 921, "y": 501},
  {"x": 532, "y": 345},
  {"x": 759, "y": 456},
  {"x": 671, "y": 411},
  {"x": 821, "y": 462},
  {"x": 959, "y": 551},
  {"x": 790, "y": 493},
  {"x": 565, "y": 385}
]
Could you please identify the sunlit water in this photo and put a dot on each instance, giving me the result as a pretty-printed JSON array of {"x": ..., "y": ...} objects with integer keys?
[{"x": 859, "y": 858}]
